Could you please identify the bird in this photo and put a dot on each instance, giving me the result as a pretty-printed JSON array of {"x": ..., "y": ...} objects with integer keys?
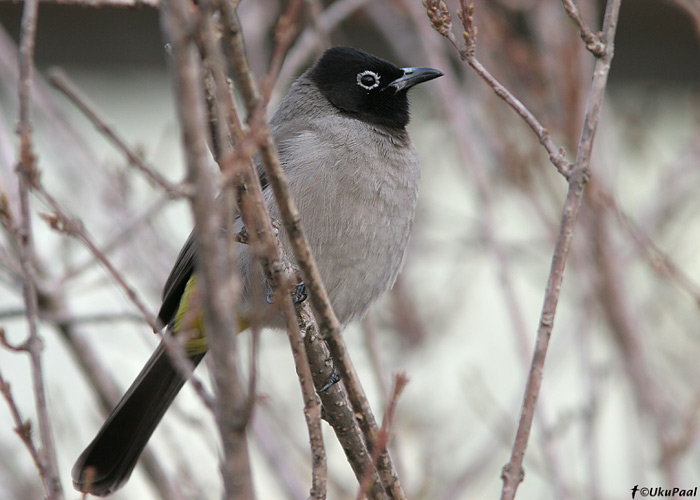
[{"x": 354, "y": 173}]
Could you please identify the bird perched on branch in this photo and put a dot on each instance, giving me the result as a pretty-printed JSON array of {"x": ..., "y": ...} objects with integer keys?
[{"x": 354, "y": 174}]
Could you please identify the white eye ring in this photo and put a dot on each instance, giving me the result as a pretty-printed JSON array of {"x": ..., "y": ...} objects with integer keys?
[{"x": 368, "y": 73}]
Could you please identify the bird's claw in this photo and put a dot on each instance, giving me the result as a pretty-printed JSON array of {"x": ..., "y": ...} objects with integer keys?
[
  {"x": 300, "y": 294},
  {"x": 333, "y": 379}
]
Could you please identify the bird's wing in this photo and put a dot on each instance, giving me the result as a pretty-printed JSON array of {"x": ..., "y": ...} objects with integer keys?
[
  {"x": 185, "y": 264},
  {"x": 177, "y": 280}
]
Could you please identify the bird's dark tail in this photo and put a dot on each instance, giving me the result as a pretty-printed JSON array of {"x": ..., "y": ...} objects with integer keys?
[{"x": 110, "y": 458}]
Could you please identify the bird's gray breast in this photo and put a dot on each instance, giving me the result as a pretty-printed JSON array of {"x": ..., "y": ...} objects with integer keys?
[{"x": 356, "y": 188}]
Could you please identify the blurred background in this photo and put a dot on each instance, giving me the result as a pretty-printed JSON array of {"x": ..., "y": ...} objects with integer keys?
[{"x": 621, "y": 390}]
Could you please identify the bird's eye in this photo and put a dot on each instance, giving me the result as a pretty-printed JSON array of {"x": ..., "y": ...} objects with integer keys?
[{"x": 368, "y": 80}]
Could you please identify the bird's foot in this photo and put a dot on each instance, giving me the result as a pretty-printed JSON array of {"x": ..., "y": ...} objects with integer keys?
[
  {"x": 332, "y": 380},
  {"x": 298, "y": 296}
]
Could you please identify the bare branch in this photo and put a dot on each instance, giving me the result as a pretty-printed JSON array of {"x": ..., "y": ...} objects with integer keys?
[
  {"x": 62, "y": 222},
  {"x": 27, "y": 172},
  {"x": 513, "y": 472},
  {"x": 442, "y": 23},
  {"x": 105, "y": 3},
  {"x": 214, "y": 269},
  {"x": 60, "y": 80},
  {"x": 400, "y": 382},
  {"x": 23, "y": 428},
  {"x": 308, "y": 41},
  {"x": 593, "y": 41},
  {"x": 250, "y": 200},
  {"x": 328, "y": 323}
]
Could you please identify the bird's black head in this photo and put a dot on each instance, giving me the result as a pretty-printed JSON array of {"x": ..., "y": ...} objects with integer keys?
[{"x": 367, "y": 87}]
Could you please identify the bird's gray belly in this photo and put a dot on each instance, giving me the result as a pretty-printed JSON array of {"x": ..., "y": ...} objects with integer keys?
[
  {"x": 358, "y": 240},
  {"x": 356, "y": 189}
]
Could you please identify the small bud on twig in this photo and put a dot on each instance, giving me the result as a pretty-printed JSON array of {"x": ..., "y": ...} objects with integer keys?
[
  {"x": 466, "y": 15},
  {"x": 63, "y": 224},
  {"x": 439, "y": 16}
]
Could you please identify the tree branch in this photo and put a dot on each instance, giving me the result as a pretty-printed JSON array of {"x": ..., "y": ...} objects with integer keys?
[
  {"x": 214, "y": 271},
  {"x": 513, "y": 471},
  {"x": 27, "y": 172}
]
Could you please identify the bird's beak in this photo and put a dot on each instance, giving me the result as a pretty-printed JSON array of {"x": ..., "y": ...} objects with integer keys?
[{"x": 414, "y": 76}]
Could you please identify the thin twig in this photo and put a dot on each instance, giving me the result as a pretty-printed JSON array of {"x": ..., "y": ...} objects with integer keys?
[
  {"x": 659, "y": 261},
  {"x": 513, "y": 472},
  {"x": 76, "y": 319},
  {"x": 337, "y": 410},
  {"x": 122, "y": 235},
  {"x": 312, "y": 408},
  {"x": 442, "y": 23},
  {"x": 284, "y": 35},
  {"x": 214, "y": 270},
  {"x": 328, "y": 322},
  {"x": 593, "y": 41},
  {"x": 313, "y": 38},
  {"x": 400, "y": 382},
  {"x": 628, "y": 334},
  {"x": 106, "y": 3},
  {"x": 60, "y": 221},
  {"x": 577, "y": 175},
  {"x": 23, "y": 427},
  {"x": 251, "y": 199},
  {"x": 27, "y": 173},
  {"x": 331, "y": 398},
  {"x": 491, "y": 232},
  {"x": 60, "y": 80},
  {"x": 55, "y": 309}
]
